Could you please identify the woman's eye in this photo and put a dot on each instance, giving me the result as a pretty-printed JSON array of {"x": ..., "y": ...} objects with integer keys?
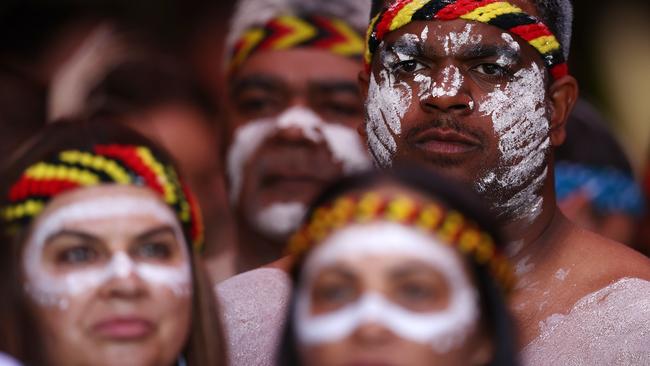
[
  {"x": 409, "y": 66},
  {"x": 334, "y": 295},
  {"x": 78, "y": 256},
  {"x": 491, "y": 70},
  {"x": 416, "y": 292},
  {"x": 156, "y": 251}
]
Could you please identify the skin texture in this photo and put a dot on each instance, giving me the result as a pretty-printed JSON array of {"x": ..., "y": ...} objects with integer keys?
[
  {"x": 410, "y": 282},
  {"x": 188, "y": 136},
  {"x": 547, "y": 244},
  {"x": 287, "y": 166},
  {"x": 158, "y": 319}
]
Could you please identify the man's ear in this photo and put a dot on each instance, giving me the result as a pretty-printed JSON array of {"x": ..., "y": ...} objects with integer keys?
[
  {"x": 563, "y": 96},
  {"x": 364, "y": 82}
]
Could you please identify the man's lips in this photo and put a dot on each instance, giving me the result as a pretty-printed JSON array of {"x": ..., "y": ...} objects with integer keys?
[
  {"x": 123, "y": 328},
  {"x": 445, "y": 142}
]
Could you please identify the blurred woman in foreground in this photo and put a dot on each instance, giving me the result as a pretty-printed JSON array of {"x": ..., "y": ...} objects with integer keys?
[{"x": 102, "y": 254}]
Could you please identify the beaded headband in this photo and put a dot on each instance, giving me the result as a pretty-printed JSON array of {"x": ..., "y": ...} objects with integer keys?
[
  {"x": 449, "y": 226},
  {"x": 501, "y": 14},
  {"x": 104, "y": 164},
  {"x": 292, "y": 31}
]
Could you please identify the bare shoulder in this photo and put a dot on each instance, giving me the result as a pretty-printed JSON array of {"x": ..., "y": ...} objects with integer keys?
[{"x": 605, "y": 260}]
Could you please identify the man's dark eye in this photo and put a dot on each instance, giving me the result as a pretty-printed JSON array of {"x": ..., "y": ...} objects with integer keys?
[
  {"x": 409, "y": 66},
  {"x": 77, "y": 256},
  {"x": 491, "y": 70}
]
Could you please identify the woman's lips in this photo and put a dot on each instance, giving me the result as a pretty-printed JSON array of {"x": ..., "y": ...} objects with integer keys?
[{"x": 123, "y": 328}]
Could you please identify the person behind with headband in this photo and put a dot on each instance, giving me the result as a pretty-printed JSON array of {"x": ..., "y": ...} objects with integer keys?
[
  {"x": 294, "y": 106},
  {"x": 399, "y": 268},
  {"x": 103, "y": 263},
  {"x": 479, "y": 90},
  {"x": 596, "y": 188}
]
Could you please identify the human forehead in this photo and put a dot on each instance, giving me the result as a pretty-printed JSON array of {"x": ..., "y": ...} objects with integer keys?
[
  {"x": 455, "y": 36},
  {"x": 298, "y": 68}
]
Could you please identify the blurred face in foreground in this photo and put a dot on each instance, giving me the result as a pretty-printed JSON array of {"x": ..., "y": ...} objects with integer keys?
[
  {"x": 108, "y": 274},
  {"x": 387, "y": 294}
]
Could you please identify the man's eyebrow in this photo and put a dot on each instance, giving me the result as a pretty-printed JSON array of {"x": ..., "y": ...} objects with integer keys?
[
  {"x": 258, "y": 81},
  {"x": 335, "y": 86},
  {"x": 486, "y": 51}
]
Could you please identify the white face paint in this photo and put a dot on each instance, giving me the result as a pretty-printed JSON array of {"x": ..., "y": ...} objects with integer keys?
[
  {"x": 343, "y": 142},
  {"x": 57, "y": 289},
  {"x": 444, "y": 330},
  {"x": 280, "y": 219},
  {"x": 520, "y": 119},
  {"x": 455, "y": 41}
]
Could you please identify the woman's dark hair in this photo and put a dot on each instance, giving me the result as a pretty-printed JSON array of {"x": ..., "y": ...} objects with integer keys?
[
  {"x": 495, "y": 314},
  {"x": 19, "y": 334}
]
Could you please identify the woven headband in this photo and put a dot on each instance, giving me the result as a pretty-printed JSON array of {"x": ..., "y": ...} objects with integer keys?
[
  {"x": 104, "y": 164},
  {"x": 493, "y": 12},
  {"x": 449, "y": 226},
  {"x": 290, "y": 31}
]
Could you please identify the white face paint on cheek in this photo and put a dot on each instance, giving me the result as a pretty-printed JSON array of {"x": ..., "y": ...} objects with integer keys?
[
  {"x": 386, "y": 105},
  {"x": 520, "y": 120},
  {"x": 342, "y": 141},
  {"x": 444, "y": 330},
  {"x": 50, "y": 289}
]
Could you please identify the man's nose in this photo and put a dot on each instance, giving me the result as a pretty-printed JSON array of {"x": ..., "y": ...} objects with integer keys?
[{"x": 447, "y": 93}]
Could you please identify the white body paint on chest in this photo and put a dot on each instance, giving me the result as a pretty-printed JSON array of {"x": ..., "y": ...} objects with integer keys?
[
  {"x": 608, "y": 327},
  {"x": 520, "y": 120},
  {"x": 343, "y": 142},
  {"x": 443, "y": 330},
  {"x": 56, "y": 290}
]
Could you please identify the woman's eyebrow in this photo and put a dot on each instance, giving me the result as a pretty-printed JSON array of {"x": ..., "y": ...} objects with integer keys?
[
  {"x": 73, "y": 233},
  {"x": 160, "y": 230},
  {"x": 256, "y": 81}
]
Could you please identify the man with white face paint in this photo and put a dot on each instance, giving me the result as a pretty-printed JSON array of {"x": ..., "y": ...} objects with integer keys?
[
  {"x": 294, "y": 107},
  {"x": 480, "y": 91},
  {"x": 294, "y": 127}
]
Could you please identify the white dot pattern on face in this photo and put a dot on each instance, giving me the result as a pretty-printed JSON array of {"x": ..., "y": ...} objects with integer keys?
[
  {"x": 343, "y": 142},
  {"x": 443, "y": 330},
  {"x": 48, "y": 289}
]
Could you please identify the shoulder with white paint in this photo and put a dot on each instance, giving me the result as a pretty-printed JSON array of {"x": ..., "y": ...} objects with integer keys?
[{"x": 607, "y": 327}]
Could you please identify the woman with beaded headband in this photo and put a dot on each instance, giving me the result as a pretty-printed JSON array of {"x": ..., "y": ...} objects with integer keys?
[
  {"x": 102, "y": 254},
  {"x": 397, "y": 268}
]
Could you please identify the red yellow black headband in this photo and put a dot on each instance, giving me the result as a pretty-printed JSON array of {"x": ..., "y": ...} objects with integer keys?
[
  {"x": 293, "y": 31},
  {"x": 451, "y": 227},
  {"x": 501, "y": 14},
  {"x": 104, "y": 164}
]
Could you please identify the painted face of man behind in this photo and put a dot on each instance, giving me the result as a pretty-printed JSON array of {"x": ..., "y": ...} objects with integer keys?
[
  {"x": 294, "y": 131},
  {"x": 471, "y": 100}
]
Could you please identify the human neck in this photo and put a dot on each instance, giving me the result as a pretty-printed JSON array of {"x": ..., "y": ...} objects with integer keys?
[
  {"x": 254, "y": 250},
  {"x": 528, "y": 238}
]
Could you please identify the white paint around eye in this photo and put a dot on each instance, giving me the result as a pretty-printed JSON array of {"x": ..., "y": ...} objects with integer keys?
[
  {"x": 425, "y": 34},
  {"x": 519, "y": 115},
  {"x": 504, "y": 60},
  {"x": 50, "y": 289},
  {"x": 343, "y": 142},
  {"x": 443, "y": 330},
  {"x": 280, "y": 219}
]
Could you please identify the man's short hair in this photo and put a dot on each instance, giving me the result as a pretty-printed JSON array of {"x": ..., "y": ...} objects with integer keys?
[{"x": 556, "y": 14}]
